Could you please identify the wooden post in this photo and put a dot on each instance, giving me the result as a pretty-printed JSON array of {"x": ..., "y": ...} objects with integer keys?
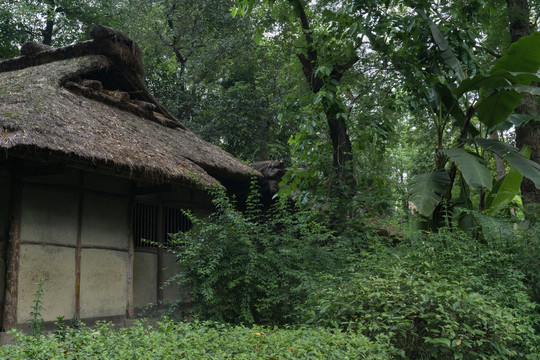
[
  {"x": 130, "y": 306},
  {"x": 160, "y": 237},
  {"x": 78, "y": 249},
  {"x": 9, "y": 315}
]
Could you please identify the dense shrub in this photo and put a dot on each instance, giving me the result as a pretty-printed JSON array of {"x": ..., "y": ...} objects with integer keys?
[
  {"x": 253, "y": 267},
  {"x": 195, "y": 341},
  {"x": 439, "y": 296}
]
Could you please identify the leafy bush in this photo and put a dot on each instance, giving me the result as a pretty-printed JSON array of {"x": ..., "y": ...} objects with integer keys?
[
  {"x": 439, "y": 296},
  {"x": 253, "y": 267},
  {"x": 196, "y": 341}
]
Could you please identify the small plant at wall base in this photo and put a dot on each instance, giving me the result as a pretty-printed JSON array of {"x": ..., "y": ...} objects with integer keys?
[{"x": 36, "y": 317}]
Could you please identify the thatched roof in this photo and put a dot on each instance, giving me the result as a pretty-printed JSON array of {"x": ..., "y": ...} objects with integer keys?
[{"x": 86, "y": 103}]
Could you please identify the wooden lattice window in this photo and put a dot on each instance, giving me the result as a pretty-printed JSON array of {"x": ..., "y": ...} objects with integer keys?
[{"x": 154, "y": 223}]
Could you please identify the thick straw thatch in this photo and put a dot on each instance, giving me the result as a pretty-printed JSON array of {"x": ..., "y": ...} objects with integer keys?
[{"x": 86, "y": 103}]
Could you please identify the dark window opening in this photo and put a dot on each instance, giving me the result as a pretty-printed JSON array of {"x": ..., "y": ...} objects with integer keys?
[{"x": 152, "y": 224}]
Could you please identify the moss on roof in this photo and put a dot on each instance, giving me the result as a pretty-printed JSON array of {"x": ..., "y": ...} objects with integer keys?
[{"x": 94, "y": 109}]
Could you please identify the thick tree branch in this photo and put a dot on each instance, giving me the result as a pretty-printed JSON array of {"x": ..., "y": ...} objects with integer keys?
[{"x": 490, "y": 52}]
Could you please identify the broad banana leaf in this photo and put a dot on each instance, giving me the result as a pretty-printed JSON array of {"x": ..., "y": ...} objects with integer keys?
[
  {"x": 446, "y": 51},
  {"x": 495, "y": 80},
  {"x": 442, "y": 95},
  {"x": 427, "y": 190},
  {"x": 523, "y": 89},
  {"x": 524, "y": 56},
  {"x": 496, "y": 108},
  {"x": 510, "y": 187},
  {"x": 514, "y": 120},
  {"x": 472, "y": 167},
  {"x": 526, "y": 167}
]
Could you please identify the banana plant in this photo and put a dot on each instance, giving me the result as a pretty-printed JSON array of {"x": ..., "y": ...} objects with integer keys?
[{"x": 498, "y": 93}]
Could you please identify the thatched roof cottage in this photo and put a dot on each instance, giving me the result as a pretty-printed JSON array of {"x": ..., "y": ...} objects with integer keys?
[{"x": 90, "y": 163}]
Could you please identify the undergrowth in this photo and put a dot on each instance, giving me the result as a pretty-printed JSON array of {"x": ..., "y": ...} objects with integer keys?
[
  {"x": 198, "y": 340},
  {"x": 443, "y": 295}
]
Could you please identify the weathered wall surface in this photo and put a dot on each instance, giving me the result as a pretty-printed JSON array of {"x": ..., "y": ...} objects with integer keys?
[
  {"x": 146, "y": 262},
  {"x": 103, "y": 283},
  {"x": 105, "y": 221},
  {"x": 49, "y": 229},
  {"x": 49, "y": 215},
  {"x": 56, "y": 265},
  {"x": 170, "y": 269},
  {"x": 145, "y": 278}
]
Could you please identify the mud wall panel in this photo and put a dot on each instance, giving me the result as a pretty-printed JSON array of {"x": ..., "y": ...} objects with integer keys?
[
  {"x": 105, "y": 221},
  {"x": 145, "y": 278},
  {"x": 56, "y": 265},
  {"x": 103, "y": 283},
  {"x": 49, "y": 216},
  {"x": 170, "y": 269}
]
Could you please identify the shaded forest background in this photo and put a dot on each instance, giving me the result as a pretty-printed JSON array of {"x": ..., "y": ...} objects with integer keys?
[
  {"x": 411, "y": 136},
  {"x": 351, "y": 97}
]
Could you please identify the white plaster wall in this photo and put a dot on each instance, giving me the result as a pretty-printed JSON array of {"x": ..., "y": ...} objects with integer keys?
[
  {"x": 105, "y": 221},
  {"x": 103, "y": 283},
  {"x": 56, "y": 265},
  {"x": 49, "y": 216},
  {"x": 144, "y": 278},
  {"x": 170, "y": 269}
]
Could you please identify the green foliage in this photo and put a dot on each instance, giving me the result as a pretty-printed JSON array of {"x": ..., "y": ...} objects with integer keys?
[
  {"x": 253, "y": 266},
  {"x": 36, "y": 316},
  {"x": 198, "y": 340},
  {"x": 507, "y": 188},
  {"x": 439, "y": 296},
  {"x": 206, "y": 69},
  {"x": 71, "y": 20},
  {"x": 428, "y": 189},
  {"x": 496, "y": 102}
]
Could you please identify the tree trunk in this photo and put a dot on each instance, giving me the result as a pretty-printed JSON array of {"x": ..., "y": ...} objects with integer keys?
[
  {"x": 49, "y": 24},
  {"x": 528, "y": 134},
  {"x": 499, "y": 163},
  {"x": 341, "y": 145}
]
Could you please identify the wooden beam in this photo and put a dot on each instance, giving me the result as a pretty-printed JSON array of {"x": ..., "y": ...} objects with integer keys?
[
  {"x": 71, "y": 188},
  {"x": 130, "y": 305},
  {"x": 9, "y": 313},
  {"x": 78, "y": 249},
  {"x": 97, "y": 247},
  {"x": 43, "y": 170},
  {"x": 153, "y": 189}
]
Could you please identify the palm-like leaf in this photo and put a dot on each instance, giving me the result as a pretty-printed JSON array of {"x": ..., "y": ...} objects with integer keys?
[
  {"x": 472, "y": 167},
  {"x": 526, "y": 167},
  {"x": 524, "y": 56},
  {"x": 427, "y": 190}
]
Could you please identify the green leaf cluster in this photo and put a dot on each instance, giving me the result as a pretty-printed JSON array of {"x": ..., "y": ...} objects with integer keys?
[
  {"x": 198, "y": 340},
  {"x": 251, "y": 267},
  {"x": 443, "y": 296}
]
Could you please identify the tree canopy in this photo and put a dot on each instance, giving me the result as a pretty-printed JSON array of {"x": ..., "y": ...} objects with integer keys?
[{"x": 373, "y": 106}]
